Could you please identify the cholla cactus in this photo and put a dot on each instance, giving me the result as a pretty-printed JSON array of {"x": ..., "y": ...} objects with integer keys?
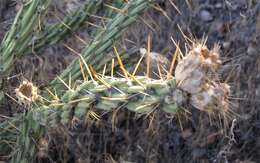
[
  {"x": 196, "y": 85},
  {"x": 136, "y": 93}
]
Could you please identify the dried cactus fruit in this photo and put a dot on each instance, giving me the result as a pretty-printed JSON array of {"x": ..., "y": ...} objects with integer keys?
[
  {"x": 197, "y": 75},
  {"x": 212, "y": 98},
  {"x": 193, "y": 71}
]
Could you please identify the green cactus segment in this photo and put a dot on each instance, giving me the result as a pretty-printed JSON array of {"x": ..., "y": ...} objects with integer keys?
[
  {"x": 54, "y": 33},
  {"x": 20, "y": 34},
  {"x": 30, "y": 133},
  {"x": 8, "y": 135},
  {"x": 105, "y": 39},
  {"x": 140, "y": 95}
]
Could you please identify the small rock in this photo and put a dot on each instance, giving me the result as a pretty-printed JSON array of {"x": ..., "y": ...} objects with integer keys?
[
  {"x": 251, "y": 50},
  {"x": 218, "y": 5},
  {"x": 198, "y": 154},
  {"x": 212, "y": 138},
  {"x": 2, "y": 7},
  {"x": 186, "y": 133},
  {"x": 205, "y": 16},
  {"x": 245, "y": 161},
  {"x": 226, "y": 44}
]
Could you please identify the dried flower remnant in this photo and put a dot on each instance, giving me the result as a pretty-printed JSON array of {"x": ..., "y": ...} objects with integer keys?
[{"x": 26, "y": 93}]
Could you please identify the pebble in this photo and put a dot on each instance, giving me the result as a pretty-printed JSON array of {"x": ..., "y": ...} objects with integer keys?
[
  {"x": 186, "y": 133},
  {"x": 218, "y": 5},
  {"x": 198, "y": 153},
  {"x": 226, "y": 45},
  {"x": 2, "y": 7},
  {"x": 205, "y": 16},
  {"x": 251, "y": 50}
]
